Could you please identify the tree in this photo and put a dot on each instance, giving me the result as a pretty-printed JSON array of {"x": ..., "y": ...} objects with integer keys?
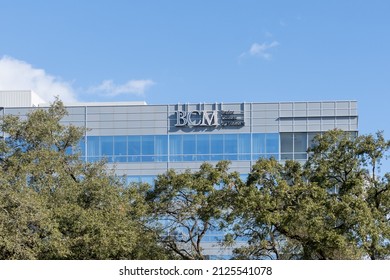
[
  {"x": 350, "y": 165},
  {"x": 189, "y": 205},
  {"x": 55, "y": 206},
  {"x": 334, "y": 207}
]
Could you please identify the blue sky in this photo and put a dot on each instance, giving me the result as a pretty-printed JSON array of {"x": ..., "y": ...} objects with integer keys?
[{"x": 201, "y": 51}]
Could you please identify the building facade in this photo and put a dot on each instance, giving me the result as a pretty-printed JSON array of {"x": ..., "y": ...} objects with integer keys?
[{"x": 142, "y": 141}]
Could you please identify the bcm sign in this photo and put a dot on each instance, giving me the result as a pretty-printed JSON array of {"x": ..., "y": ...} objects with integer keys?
[{"x": 196, "y": 118}]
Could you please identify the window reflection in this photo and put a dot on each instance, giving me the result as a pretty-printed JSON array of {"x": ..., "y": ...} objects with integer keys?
[
  {"x": 258, "y": 143},
  {"x": 134, "y": 145},
  {"x": 216, "y": 144},
  {"x": 190, "y": 147},
  {"x": 272, "y": 143},
  {"x": 294, "y": 145}
]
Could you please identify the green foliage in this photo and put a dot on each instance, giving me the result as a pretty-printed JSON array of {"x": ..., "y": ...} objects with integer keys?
[
  {"x": 334, "y": 207},
  {"x": 55, "y": 206},
  {"x": 189, "y": 205}
]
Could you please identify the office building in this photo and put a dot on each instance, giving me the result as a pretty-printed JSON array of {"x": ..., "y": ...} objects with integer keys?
[{"x": 142, "y": 140}]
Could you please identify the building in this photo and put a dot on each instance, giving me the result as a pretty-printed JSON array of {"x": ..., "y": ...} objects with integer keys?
[{"x": 143, "y": 140}]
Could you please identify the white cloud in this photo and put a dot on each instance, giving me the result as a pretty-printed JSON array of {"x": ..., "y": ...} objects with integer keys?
[
  {"x": 132, "y": 87},
  {"x": 19, "y": 75},
  {"x": 261, "y": 50}
]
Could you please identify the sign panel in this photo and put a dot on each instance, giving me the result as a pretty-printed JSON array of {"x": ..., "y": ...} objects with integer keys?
[{"x": 209, "y": 118}]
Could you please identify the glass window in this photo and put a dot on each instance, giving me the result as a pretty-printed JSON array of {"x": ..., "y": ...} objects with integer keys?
[
  {"x": 258, "y": 143},
  {"x": 161, "y": 158},
  {"x": 175, "y": 145},
  {"x": 120, "y": 148},
  {"x": 286, "y": 156},
  {"x": 216, "y": 157},
  {"x": 216, "y": 145},
  {"x": 189, "y": 145},
  {"x": 133, "y": 158},
  {"x": 272, "y": 143},
  {"x": 286, "y": 142},
  {"x": 175, "y": 148},
  {"x": 244, "y": 156},
  {"x": 175, "y": 158},
  {"x": 161, "y": 144},
  {"x": 230, "y": 146},
  {"x": 202, "y": 144},
  {"x": 120, "y": 145},
  {"x": 134, "y": 145},
  {"x": 300, "y": 156},
  {"x": 148, "y": 158},
  {"x": 93, "y": 146},
  {"x": 106, "y": 145},
  {"x": 147, "y": 145},
  {"x": 244, "y": 143},
  {"x": 300, "y": 142}
]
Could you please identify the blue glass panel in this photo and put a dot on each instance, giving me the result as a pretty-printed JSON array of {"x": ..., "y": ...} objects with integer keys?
[
  {"x": 272, "y": 143},
  {"x": 244, "y": 156},
  {"x": 161, "y": 158},
  {"x": 216, "y": 144},
  {"x": 175, "y": 145},
  {"x": 189, "y": 145},
  {"x": 230, "y": 156},
  {"x": 300, "y": 156},
  {"x": 176, "y": 158},
  {"x": 134, "y": 158},
  {"x": 203, "y": 157},
  {"x": 189, "y": 158},
  {"x": 244, "y": 143},
  {"x": 147, "y": 145},
  {"x": 120, "y": 158},
  {"x": 286, "y": 142},
  {"x": 300, "y": 142},
  {"x": 106, "y": 145},
  {"x": 258, "y": 140},
  {"x": 230, "y": 144},
  {"x": 203, "y": 144},
  {"x": 93, "y": 146},
  {"x": 161, "y": 145},
  {"x": 147, "y": 158},
  {"x": 216, "y": 157},
  {"x": 134, "y": 145},
  {"x": 286, "y": 156},
  {"x": 120, "y": 145}
]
